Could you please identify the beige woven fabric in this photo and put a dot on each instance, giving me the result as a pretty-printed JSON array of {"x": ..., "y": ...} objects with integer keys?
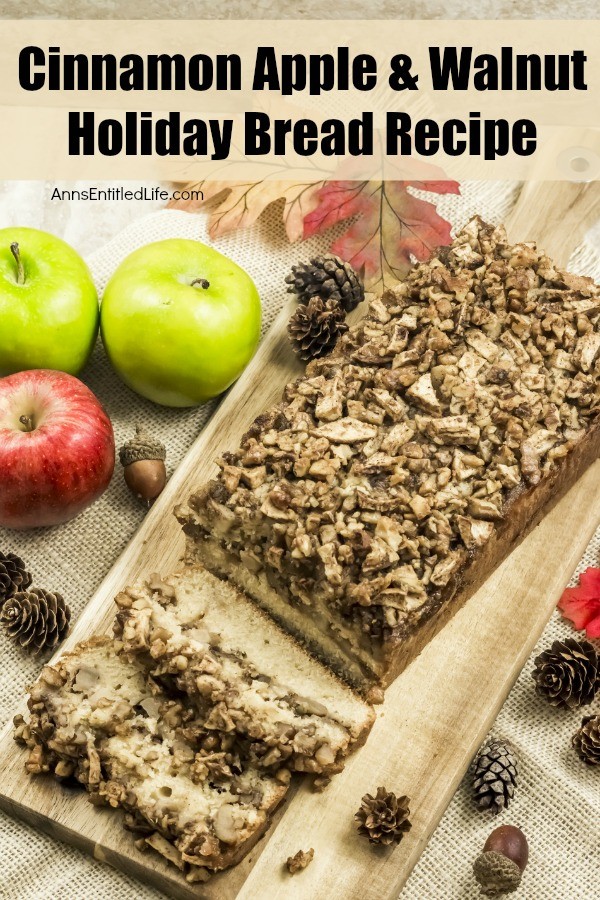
[{"x": 557, "y": 800}]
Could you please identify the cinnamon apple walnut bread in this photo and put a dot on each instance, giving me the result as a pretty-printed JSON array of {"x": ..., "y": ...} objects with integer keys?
[
  {"x": 399, "y": 471},
  {"x": 192, "y": 719},
  {"x": 243, "y": 675},
  {"x": 95, "y": 717}
]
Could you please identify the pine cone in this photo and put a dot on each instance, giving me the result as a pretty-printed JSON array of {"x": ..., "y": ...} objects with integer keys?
[
  {"x": 329, "y": 278},
  {"x": 384, "y": 818},
  {"x": 568, "y": 674},
  {"x": 36, "y": 619},
  {"x": 587, "y": 740},
  {"x": 495, "y": 776},
  {"x": 13, "y": 576},
  {"x": 315, "y": 328}
]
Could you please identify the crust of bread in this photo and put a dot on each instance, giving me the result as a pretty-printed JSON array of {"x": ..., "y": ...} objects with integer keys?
[{"x": 525, "y": 508}]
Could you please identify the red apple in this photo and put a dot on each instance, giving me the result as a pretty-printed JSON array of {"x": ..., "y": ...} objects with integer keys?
[{"x": 57, "y": 449}]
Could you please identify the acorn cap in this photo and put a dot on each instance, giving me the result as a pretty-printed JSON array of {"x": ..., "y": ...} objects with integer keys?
[
  {"x": 140, "y": 447},
  {"x": 496, "y": 874}
]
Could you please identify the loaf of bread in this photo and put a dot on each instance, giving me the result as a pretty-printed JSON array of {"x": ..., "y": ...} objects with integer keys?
[
  {"x": 192, "y": 719},
  {"x": 399, "y": 471},
  {"x": 242, "y": 673},
  {"x": 97, "y": 718}
]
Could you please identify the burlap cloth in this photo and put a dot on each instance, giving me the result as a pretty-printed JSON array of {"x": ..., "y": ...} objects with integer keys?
[{"x": 557, "y": 799}]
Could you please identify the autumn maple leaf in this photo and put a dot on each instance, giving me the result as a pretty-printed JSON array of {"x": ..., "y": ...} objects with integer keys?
[
  {"x": 390, "y": 225},
  {"x": 387, "y": 225},
  {"x": 239, "y": 204},
  {"x": 581, "y": 604}
]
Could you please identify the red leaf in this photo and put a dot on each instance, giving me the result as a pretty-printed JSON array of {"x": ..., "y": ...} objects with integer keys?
[
  {"x": 390, "y": 225},
  {"x": 581, "y": 604},
  {"x": 436, "y": 187}
]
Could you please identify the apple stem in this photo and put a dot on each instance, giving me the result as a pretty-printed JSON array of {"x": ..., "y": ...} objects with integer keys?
[
  {"x": 27, "y": 423},
  {"x": 204, "y": 284},
  {"x": 14, "y": 249}
]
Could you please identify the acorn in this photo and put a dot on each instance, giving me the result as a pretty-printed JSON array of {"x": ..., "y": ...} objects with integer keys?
[
  {"x": 143, "y": 461},
  {"x": 498, "y": 869}
]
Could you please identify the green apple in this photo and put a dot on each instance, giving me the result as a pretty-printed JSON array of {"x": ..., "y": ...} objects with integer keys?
[
  {"x": 48, "y": 304},
  {"x": 179, "y": 321}
]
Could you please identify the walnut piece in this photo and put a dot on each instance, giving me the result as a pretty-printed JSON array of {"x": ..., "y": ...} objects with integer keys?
[{"x": 299, "y": 861}]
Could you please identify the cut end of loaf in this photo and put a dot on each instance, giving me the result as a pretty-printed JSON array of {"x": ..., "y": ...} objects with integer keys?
[{"x": 192, "y": 623}]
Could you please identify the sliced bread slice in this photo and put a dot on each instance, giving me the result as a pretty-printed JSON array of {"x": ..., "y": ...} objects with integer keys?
[
  {"x": 96, "y": 717},
  {"x": 242, "y": 672}
]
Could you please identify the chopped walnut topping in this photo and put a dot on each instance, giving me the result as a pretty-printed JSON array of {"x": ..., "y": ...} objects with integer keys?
[
  {"x": 423, "y": 394},
  {"x": 473, "y": 532},
  {"x": 454, "y": 430},
  {"x": 347, "y": 431}
]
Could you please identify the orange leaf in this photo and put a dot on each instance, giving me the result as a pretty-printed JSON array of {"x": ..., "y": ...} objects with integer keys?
[{"x": 239, "y": 204}]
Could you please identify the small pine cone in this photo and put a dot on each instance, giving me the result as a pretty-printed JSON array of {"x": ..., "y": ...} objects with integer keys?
[
  {"x": 383, "y": 818},
  {"x": 495, "y": 776},
  {"x": 13, "y": 576},
  {"x": 329, "y": 278},
  {"x": 36, "y": 619},
  {"x": 315, "y": 328},
  {"x": 568, "y": 674},
  {"x": 587, "y": 740}
]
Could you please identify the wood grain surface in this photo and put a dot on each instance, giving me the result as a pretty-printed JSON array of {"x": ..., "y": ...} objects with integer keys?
[{"x": 438, "y": 711}]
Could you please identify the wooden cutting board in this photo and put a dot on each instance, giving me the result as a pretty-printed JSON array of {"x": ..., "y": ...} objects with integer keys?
[{"x": 429, "y": 711}]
